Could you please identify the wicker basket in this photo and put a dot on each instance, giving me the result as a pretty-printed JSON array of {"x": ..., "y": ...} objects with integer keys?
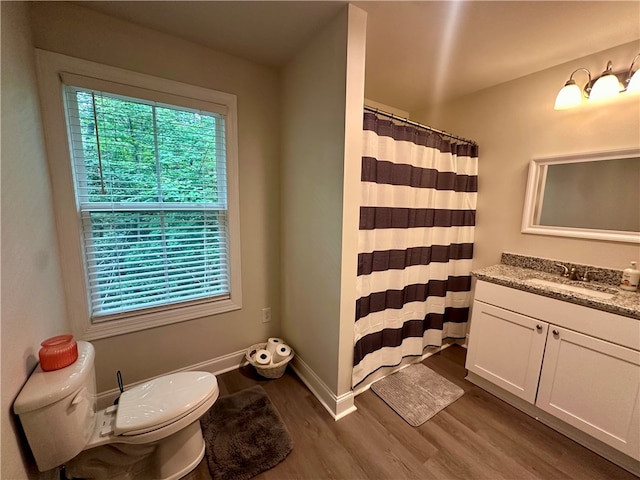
[{"x": 275, "y": 370}]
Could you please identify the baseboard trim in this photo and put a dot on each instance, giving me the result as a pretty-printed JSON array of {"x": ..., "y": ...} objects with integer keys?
[
  {"x": 217, "y": 366},
  {"x": 337, "y": 406}
]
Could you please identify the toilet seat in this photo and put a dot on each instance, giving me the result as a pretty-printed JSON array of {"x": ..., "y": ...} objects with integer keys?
[
  {"x": 162, "y": 401},
  {"x": 104, "y": 427}
]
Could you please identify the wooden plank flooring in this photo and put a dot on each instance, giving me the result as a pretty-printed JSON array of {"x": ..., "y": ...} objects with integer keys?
[{"x": 477, "y": 437}]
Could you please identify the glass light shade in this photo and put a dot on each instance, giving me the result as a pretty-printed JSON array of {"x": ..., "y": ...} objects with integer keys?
[
  {"x": 569, "y": 96},
  {"x": 634, "y": 83},
  {"x": 606, "y": 86}
]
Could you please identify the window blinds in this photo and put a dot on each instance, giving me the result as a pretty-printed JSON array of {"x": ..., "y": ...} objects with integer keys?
[{"x": 151, "y": 190}]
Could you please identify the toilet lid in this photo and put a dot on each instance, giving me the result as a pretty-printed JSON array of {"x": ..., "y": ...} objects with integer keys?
[{"x": 162, "y": 400}]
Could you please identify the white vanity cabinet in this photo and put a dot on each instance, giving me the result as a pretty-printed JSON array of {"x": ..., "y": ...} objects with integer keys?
[
  {"x": 594, "y": 386},
  {"x": 506, "y": 348},
  {"x": 577, "y": 364}
]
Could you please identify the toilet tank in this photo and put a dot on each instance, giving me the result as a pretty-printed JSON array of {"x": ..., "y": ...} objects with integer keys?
[{"x": 57, "y": 409}]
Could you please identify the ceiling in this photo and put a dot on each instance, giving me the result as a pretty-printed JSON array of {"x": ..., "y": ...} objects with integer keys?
[{"x": 418, "y": 53}]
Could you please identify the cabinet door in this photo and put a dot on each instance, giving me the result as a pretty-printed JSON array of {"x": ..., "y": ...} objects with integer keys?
[
  {"x": 506, "y": 349},
  {"x": 593, "y": 385}
]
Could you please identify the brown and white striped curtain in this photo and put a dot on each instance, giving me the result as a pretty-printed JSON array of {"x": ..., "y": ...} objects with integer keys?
[{"x": 417, "y": 219}]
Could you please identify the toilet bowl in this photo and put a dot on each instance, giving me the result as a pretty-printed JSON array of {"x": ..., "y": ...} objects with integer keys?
[{"x": 153, "y": 431}]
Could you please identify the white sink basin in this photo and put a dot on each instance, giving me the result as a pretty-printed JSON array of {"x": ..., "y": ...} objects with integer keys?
[{"x": 571, "y": 288}]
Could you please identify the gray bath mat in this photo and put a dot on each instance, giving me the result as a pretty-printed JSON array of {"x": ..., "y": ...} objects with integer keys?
[
  {"x": 244, "y": 435},
  {"x": 417, "y": 393}
]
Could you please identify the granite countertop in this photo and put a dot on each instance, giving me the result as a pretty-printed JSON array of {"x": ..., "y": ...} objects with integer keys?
[{"x": 622, "y": 303}]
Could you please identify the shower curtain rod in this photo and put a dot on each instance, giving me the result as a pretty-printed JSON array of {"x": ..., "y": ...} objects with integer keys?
[{"x": 418, "y": 125}]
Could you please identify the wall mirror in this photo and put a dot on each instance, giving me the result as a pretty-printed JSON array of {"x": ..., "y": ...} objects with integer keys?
[{"x": 593, "y": 195}]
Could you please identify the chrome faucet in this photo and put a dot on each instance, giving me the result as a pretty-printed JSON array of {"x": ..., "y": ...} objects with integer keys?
[
  {"x": 566, "y": 270},
  {"x": 572, "y": 274}
]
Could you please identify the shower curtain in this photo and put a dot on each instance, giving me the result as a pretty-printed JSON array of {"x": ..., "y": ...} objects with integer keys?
[{"x": 417, "y": 218}]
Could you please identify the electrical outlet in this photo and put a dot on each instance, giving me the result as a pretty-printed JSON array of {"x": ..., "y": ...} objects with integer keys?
[{"x": 266, "y": 314}]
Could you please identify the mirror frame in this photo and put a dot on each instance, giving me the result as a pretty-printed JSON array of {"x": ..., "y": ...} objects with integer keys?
[{"x": 535, "y": 186}]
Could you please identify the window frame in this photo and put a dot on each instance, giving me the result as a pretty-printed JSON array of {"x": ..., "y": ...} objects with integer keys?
[{"x": 56, "y": 70}]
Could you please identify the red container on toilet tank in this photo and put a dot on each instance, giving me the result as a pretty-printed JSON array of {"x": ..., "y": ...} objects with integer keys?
[{"x": 58, "y": 352}]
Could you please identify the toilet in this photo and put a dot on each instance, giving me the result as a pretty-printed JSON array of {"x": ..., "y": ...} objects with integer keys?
[{"x": 153, "y": 432}]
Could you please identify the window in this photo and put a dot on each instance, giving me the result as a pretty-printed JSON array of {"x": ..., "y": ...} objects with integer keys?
[
  {"x": 154, "y": 187},
  {"x": 150, "y": 184}
]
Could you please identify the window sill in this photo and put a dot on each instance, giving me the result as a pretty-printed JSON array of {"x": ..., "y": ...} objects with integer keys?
[{"x": 94, "y": 331}]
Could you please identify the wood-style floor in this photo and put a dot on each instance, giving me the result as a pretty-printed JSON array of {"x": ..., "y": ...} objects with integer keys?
[{"x": 477, "y": 437}]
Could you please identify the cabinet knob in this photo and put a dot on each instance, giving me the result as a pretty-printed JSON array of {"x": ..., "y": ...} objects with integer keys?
[
  {"x": 539, "y": 327},
  {"x": 556, "y": 333}
]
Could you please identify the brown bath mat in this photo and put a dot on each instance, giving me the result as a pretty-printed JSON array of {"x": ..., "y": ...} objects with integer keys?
[{"x": 244, "y": 435}]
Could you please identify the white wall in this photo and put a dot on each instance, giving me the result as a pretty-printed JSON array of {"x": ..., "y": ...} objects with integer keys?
[
  {"x": 76, "y": 31},
  {"x": 387, "y": 108},
  {"x": 355, "y": 72},
  {"x": 311, "y": 198},
  {"x": 318, "y": 270},
  {"x": 515, "y": 122},
  {"x": 32, "y": 298}
]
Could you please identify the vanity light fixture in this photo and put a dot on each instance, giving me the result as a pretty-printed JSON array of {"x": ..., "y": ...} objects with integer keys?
[
  {"x": 608, "y": 85},
  {"x": 571, "y": 94},
  {"x": 634, "y": 80}
]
